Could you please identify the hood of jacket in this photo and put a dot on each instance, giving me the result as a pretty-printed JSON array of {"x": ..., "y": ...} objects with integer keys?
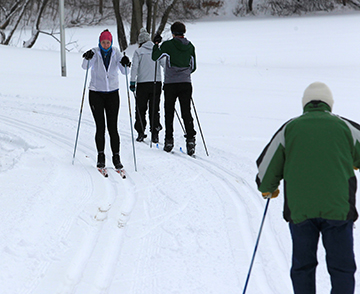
[
  {"x": 147, "y": 45},
  {"x": 182, "y": 44}
]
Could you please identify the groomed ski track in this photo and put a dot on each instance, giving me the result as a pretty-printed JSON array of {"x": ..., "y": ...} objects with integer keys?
[{"x": 178, "y": 223}]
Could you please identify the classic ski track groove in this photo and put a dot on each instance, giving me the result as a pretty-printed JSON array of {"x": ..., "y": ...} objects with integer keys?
[
  {"x": 66, "y": 227},
  {"x": 241, "y": 198},
  {"x": 89, "y": 242},
  {"x": 219, "y": 184}
]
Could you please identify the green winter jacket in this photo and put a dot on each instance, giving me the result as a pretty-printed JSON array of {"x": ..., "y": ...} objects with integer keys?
[
  {"x": 315, "y": 154},
  {"x": 181, "y": 59}
]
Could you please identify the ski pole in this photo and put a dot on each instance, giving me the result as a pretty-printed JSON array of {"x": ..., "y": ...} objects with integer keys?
[
  {"x": 198, "y": 121},
  {"x": 131, "y": 125},
  {"x": 81, "y": 108},
  {"x": 153, "y": 108},
  {"x": 256, "y": 245}
]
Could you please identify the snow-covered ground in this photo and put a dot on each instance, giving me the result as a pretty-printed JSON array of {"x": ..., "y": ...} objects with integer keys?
[{"x": 178, "y": 225}]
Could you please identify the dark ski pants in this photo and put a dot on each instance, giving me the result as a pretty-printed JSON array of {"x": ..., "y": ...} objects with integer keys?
[
  {"x": 102, "y": 104},
  {"x": 337, "y": 237},
  {"x": 144, "y": 101},
  {"x": 183, "y": 91}
]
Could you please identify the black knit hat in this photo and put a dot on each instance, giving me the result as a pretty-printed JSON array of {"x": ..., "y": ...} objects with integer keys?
[{"x": 178, "y": 29}]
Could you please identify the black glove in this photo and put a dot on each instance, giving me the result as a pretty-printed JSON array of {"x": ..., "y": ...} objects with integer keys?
[
  {"x": 157, "y": 39},
  {"x": 125, "y": 61},
  {"x": 88, "y": 55}
]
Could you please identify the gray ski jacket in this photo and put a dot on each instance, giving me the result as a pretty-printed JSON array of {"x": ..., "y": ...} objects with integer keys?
[{"x": 143, "y": 67}]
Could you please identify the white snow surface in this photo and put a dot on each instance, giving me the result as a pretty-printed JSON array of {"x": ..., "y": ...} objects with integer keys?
[{"x": 178, "y": 225}]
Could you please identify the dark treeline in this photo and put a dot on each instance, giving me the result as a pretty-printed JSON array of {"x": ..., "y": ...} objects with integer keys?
[{"x": 42, "y": 16}]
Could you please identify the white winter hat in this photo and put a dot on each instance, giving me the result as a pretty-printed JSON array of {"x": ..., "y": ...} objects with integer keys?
[
  {"x": 144, "y": 36},
  {"x": 318, "y": 91}
]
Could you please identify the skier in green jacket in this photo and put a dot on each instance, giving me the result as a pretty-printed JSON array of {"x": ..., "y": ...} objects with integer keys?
[
  {"x": 180, "y": 64},
  {"x": 315, "y": 154}
]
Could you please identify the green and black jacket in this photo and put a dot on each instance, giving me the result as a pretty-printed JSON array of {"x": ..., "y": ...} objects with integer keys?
[
  {"x": 180, "y": 59},
  {"x": 315, "y": 154}
]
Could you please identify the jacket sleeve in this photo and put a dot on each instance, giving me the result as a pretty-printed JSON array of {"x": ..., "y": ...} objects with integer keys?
[
  {"x": 158, "y": 51},
  {"x": 270, "y": 163},
  {"x": 118, "y": 57},
  {"x": 134, "y": 67},
  {"x": 355, "y": 132},
  {"x": 193, "y": 61}
]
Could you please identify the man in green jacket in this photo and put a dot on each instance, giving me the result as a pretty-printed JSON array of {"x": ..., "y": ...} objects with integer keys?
[
  {"x": 180, "y": 64},
  {"x": 316, "y": 154}
]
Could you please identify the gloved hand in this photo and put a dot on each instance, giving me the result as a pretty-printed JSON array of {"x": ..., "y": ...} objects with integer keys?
[
  {"x": 132, "y": 86},
  {"x": 356, "y": 168},
  {"x": 157, "y": 39},
  {"x": 272, "y": 195},
  {"x": 125, "y": 61},
  {"x": 88, "y": 54}
]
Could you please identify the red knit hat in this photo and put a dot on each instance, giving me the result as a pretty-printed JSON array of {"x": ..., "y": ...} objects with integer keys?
[{"x": 105, "y": 35}]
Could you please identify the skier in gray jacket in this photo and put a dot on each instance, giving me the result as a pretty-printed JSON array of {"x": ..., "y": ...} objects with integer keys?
[{"x": 142, "y": 79}]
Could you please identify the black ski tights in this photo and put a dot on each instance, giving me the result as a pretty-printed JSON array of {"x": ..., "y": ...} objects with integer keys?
[
  {"x": 101, "y": 104},
  {"x": 183, "y": 91}
]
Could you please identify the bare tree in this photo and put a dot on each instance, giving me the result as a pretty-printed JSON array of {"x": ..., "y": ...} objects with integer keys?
[
  {"x": 354, "y": 4},
  {"x": 8, "y": 16},
  {"x": 165, "y": 17},
  {"x": 101, "y": 4},
  {"x": 36, "y": 28},
  {"x": 136, "y": 20},
  {"x": 17, "y": 19},
  {"x": 149, "y": 18},
  {"x": 120, "y": 26}
]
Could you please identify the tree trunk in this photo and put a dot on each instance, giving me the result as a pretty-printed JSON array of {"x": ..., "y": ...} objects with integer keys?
[
  {"x": 36, "y": 29},
  {"x": 136, "y": 20},
  {"x": 22, "y": 11},
  {"x": 149, "y": 15},
  {"x": 155, "y": 9},
  {"x": 165, "y": 17},
  {"x": 120, "y": 26},
  {"x": 250, "y": 5},
  {"x": 101, "y": 4}
]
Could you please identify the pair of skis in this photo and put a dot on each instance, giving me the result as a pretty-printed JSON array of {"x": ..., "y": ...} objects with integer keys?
[{"x": 105, "y": 173}]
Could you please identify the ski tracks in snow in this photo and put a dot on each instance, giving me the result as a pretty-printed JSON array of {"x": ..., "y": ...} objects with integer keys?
[
  {"x": 249, "y": 203},
  {"x": 190, "y": 232},
  {"x": 92, "y": 269},
  {"x": 186, "y": 231},
  {"x": 236, "y": 189},
  {"x": 105, "y": 205}
]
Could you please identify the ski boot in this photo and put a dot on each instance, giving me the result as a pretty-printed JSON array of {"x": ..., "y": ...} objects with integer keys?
[
  {"x": 141, "y": 137},
  {"x": 101, "y": 160},
  {"x": 155, "y": 137},
  {"x": 155, "y": 134},
  {"x": 169, "y": 144},
  {"x": 116, "y": 161},
  {"x": 190, "y": 146}
]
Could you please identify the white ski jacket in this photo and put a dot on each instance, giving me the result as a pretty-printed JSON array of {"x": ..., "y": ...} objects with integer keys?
[
  {"x": 143, "y": 67},
  {"x": 103, "y": 80}
]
